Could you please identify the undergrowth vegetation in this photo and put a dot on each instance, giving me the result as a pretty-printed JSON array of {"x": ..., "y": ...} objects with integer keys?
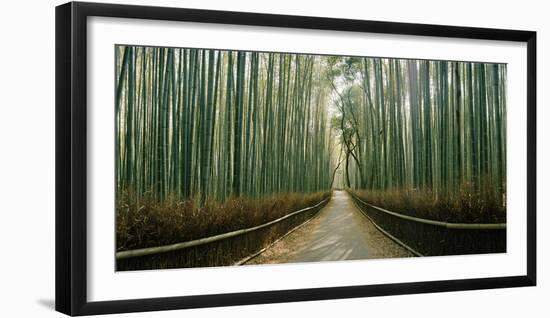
[
  {"x": 149, "y": 223},
  {"x": 461, "y": 206}
]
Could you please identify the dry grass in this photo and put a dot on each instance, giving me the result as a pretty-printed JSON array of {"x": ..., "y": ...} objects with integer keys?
[
  {"x": 464, "y": 205},
  {"x": 151, "y": 223}
]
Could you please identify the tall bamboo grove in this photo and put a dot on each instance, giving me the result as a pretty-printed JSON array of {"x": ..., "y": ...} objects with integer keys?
[
  {"x": 208, "y": 124},
  {"x": 415, "y": 124}
]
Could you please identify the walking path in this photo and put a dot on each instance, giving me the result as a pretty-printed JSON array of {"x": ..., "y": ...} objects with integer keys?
[{"x": 338, "y": 232}]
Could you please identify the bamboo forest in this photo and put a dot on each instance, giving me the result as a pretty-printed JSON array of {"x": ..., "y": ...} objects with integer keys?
[{"x": 276, "y": 145}]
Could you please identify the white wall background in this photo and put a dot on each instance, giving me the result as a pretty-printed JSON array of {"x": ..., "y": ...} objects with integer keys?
[{"x": 27, "y": 158}]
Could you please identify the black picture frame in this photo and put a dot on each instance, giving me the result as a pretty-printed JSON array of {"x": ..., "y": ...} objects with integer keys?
[{"x": 71, "y": 157}]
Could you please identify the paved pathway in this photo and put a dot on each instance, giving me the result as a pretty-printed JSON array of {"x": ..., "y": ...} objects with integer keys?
[{"x": 338, "y": 232}]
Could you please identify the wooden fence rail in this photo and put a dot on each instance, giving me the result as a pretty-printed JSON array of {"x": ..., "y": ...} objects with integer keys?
[
  {"x": 223, "y": 249},
  {"x": 431, "y": 237}
]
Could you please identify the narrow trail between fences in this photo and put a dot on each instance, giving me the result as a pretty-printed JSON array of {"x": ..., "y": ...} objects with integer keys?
[{"x": 339, "y": 232}]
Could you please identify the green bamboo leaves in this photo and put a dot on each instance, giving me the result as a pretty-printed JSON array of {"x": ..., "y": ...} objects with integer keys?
[{"x": 208, "y": 124}]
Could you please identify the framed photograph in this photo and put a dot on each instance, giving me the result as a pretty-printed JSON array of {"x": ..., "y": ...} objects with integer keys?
[{"x": 209, "y": 158}]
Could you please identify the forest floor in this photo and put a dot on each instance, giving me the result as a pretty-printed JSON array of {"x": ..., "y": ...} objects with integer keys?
[{"x": 338, "y": 232}]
